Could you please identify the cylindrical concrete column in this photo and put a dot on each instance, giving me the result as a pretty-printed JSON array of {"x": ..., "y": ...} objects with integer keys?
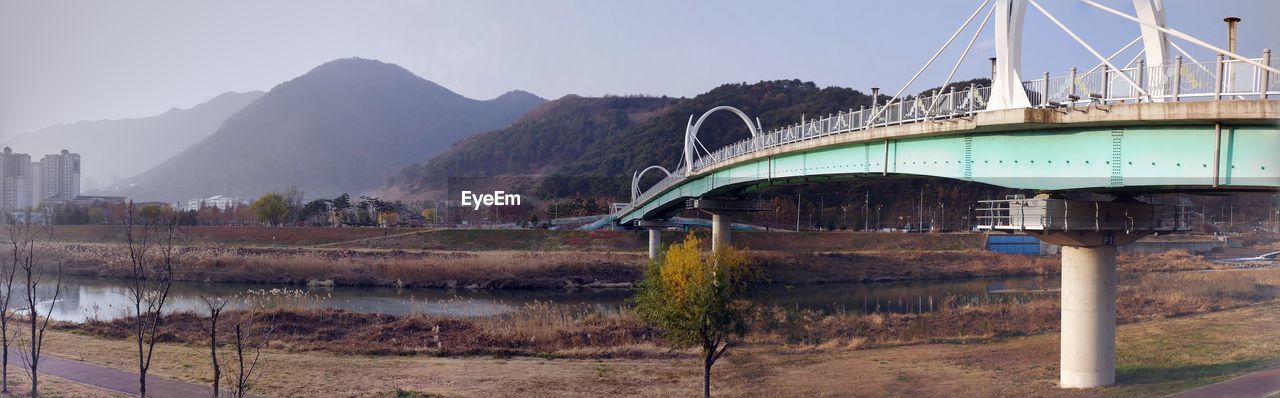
[
  {"x": 719, "y": 231},
  {"x": 655, "y": 242},
  {"x": 1088, "y": 317}
]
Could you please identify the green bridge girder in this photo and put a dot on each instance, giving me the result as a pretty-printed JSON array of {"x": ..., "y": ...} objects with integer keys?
[{"x": 1154, "y": 158}]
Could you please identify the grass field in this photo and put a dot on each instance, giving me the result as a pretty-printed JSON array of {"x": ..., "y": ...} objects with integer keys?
[{"x": 1155, "y": 357}]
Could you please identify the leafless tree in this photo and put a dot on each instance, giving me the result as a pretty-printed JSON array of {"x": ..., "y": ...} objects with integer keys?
[
  {"x": 251, "y": 330},
  {"x": 154, "y": 255},
  {"x": 33, "y": 273},
  {"x": 21, "y": 244},
  {"x": 215, "y": 305}
]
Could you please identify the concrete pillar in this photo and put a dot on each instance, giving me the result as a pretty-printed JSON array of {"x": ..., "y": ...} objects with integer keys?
[
  {"x": 1088, "y": 345},
  {"x": 655, "y": 242},
  {"x": 719, "y": 231}
]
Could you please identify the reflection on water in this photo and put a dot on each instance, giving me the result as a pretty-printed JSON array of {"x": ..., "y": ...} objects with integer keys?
[{"x": 105, "y": 298}]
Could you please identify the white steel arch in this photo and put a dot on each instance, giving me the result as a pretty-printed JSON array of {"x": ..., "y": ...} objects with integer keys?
[
  {"x": 691, "y": 133},
  {"x": 635, "y": 180}
]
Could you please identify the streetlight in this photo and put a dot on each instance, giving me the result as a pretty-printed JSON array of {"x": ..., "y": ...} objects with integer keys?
[{"x": 943, "y": 219}]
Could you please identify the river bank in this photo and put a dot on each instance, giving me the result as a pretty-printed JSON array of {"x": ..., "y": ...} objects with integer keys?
[
  {"x": 586, "y": 331},
  {"x": 1177, "y": 331},
  {"x": 493, "y": 269}
]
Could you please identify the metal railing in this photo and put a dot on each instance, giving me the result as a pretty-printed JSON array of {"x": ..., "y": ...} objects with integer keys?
[
  {"x": 1221, "y": 79},
  {"x": 1041, "y": 214}
]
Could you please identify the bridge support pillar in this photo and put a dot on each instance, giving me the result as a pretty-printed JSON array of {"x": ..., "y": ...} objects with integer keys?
[
  {"x": 720, "y": 230},
  {"x": 655, "y": 242},
  {"x": 655, "y": 228},
  {"x": 1088, "y": 344},
  {"x": 720, "y": 209},
  {"x": 1089, "y": 234}
]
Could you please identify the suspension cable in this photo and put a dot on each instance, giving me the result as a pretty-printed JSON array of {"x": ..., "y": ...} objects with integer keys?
[
  {"x": 1113, "y": 55},
  {"x": 969, "y": 46},
  {"x": 931, "y": 59},
  {"x": 1095, "y": 53},
  {"x": 1178, "y": 34}
]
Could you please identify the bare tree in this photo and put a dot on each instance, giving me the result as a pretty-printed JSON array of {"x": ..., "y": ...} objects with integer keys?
[
  {"x": 21, "y": 242},
  {"x": 215, "y": 305},
  {"x": 251, "y": 331},
  {"x": 152, "y": 242},
  {"x": 27, "y": 262}
]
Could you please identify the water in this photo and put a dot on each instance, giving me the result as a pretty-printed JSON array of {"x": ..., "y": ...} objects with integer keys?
[{"x": 105, "y": 298}]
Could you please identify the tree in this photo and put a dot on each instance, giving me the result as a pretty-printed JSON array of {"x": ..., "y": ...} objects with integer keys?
[
  {"x": 153, "y": 257},
  {"x": 25, "y": 259},
  {"x": 270, "y": 209},
  {"x": 22, "y": 236},
  {"x": 695, "y": 299},
  {"x": 215, "y": 305},
  {"x": 293, "y": 203}
]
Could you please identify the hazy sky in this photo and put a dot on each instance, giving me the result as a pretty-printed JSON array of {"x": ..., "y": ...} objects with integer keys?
[{"x": 64, "y": 61}]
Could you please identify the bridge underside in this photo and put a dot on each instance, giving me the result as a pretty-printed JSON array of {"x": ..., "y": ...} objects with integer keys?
[{"x": 1107, "y": 159}]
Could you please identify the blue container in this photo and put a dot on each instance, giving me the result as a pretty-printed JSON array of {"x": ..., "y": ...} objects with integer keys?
[{"x": 1013, "y": 244}]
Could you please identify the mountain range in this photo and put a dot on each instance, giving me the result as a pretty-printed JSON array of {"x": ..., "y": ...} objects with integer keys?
[
  {"x": 344, "y": 126},
  {"x": 116, "y": 149}
]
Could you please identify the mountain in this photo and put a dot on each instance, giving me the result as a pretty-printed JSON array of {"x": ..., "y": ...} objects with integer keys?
[
  {"x": 542, "y": 142},
  {"x": 341, "y": 127},
  {"x": 114, "y": 149},
  {"x": 590, "y": 146}
]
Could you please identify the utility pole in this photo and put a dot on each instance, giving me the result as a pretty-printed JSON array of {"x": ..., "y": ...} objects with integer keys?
[
  {"x": 866, "y": 207},
  {"x": 797, "y": 211},
  {"x": 822, "y": 211},
  {"x": 942, "y": 221},
  {"x": 920, "y": 212}
]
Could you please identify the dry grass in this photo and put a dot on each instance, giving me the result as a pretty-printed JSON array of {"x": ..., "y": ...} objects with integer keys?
[
  {"x": 1141, "y": 298},
  {"x": 493, "y": 269},
  {"x": 238, "y": 236},
  {"x": 538, "y": 329},
  {"x": 524, "y": 269},
  {"x": 543, "y": 329}
]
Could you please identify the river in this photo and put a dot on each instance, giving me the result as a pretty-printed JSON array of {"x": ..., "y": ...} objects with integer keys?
[{"x": 84, "y": 298}]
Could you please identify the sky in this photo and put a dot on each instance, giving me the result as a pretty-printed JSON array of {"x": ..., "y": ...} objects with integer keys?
[{"x": 66, "y": 61}]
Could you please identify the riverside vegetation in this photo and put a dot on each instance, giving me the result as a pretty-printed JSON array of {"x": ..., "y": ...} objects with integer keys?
[{"x": 553, "y": 330}]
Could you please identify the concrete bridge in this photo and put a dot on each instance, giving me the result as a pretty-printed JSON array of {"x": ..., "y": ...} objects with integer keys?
[{"x": 1160, "y": 124}]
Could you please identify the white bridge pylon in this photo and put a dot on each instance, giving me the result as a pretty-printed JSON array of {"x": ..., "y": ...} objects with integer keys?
[{"x": 691, "y": 133}]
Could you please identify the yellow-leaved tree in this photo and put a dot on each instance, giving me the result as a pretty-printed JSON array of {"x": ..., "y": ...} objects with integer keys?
[{"x": 695, "y": 298}]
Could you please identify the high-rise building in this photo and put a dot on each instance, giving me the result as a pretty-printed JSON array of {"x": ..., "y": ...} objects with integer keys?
[
  {"x": 59, "y": 176},
  {"x": 15, "y": 180}
]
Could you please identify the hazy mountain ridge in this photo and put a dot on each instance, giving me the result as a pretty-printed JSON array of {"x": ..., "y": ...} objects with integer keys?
[
  {"x": 125, "y": 147},
  {"x": 341, "y": 127}
]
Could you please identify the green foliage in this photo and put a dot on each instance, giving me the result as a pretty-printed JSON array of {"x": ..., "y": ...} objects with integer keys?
[{"x": 270, "y": 209}]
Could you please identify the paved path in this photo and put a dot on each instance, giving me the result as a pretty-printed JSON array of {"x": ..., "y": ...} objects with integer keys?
[
  {"x": 119, "y": 380},
  {"x": 1254, "y": 385}
]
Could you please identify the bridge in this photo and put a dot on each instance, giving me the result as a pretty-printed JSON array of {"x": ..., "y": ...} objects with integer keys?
[{"x": 1159, "y": 124}]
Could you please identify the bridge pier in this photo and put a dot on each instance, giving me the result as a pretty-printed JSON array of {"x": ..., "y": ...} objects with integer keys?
[
  {"x": 720, "y": 231},
  {"x": 655, "y": 242},
  {"x": 655, "y": 228},
  {"x": 1089, "y": 233},
  {"x": 1088, "y": 340},
  {"x": 720, "y": 209}
]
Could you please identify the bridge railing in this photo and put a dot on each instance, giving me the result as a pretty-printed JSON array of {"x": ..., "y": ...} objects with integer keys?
[{"x": 945, "y": 105}]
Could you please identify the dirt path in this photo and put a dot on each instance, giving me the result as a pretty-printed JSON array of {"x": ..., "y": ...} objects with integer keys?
[{"x": 118, "y": 380}]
